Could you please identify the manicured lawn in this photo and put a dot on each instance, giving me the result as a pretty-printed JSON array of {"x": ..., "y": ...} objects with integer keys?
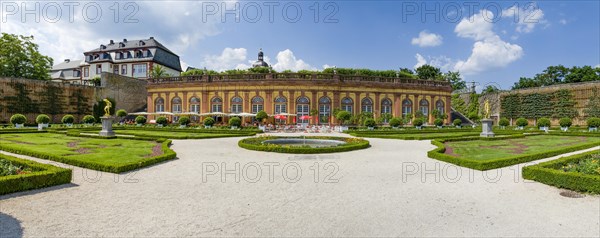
[
  {"x": 494, "y": 149},
  {"x": 424, "y": 136},
  {"x": 112, "y": 155},
  {"x": 177, "y": 134}
]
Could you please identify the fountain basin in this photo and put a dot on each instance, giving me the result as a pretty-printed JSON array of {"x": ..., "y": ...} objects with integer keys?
[
  {"x": 313, "y": 143},
  {"x": 303, "y": 145}
]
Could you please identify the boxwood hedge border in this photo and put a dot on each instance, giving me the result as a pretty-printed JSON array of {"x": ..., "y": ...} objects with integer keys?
[
  {"x": 550, "y": 174},
  {"x": 358, "y": 145},
  {"x": 439, "y": 154},
  {"x": 42, "y": 175}
]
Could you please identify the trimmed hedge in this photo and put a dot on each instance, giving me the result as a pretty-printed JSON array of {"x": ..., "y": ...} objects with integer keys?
[
  {"x": 550, "y": 174},
  {"x": 43, "y": 175},
  {"x": 439, "y": 154},
  {"x": 227, "y": 130},
  {"x": 168, "y": 154},
  {"x": 255, "y": 143}
]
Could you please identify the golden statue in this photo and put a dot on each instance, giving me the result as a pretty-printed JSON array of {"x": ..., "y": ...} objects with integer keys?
[
  {"x": 486, "y": 109},
  {"x": 107, "y": 107}
]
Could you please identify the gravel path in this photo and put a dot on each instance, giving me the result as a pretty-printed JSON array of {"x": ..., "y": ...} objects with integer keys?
[{"x": 380, "y": 191}]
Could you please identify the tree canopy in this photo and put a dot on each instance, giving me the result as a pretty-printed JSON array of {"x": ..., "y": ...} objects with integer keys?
[
  {"x": 559, "y": 75},
  {"x": 19, "y": 58}
]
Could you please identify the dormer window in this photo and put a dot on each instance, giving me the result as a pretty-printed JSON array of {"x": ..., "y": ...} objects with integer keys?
[
  {"x": 141, "y": 43},
  {"x": 121, "y": 44},
  {"x": 96, "y": 56},
  {"x": 148, "y": 53},
  {"x": 139, "y": 54},
  {"x": 102, "y": 47}
]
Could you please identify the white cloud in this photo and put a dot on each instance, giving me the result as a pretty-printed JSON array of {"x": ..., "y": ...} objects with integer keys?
[
  {"x": 326, "y": 66},
  {"x": 598, "y": 66},
  {"x": 230, "y": 58},
  {"x": 563, "y": 21},
  {"x": 526, "y": 17},
  {"x": 427, "y": 39},
  {"x": 420, "y": 61},
  {"x": 286, "y": 60},
  {"x": 477, "y": 27}
]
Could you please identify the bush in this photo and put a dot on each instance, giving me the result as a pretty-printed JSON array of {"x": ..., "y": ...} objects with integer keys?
[
  {"x": 343, "y": 116},
  {"x": 593, "y": 122},
  {"x": 88, "y": 119},
  {"x": 261, "y": 116},
  {"x": 504, "y": 122},
  {"x": 552, "y": 173},
  {"x": 162, "y": 121},
  {"x": 18, "y": 119},
  {"x": 121, "y": 113},
  {"x": 543, "y": 122},
  {"x": 565, "y": 122},
  {"x": 140, "y": 120},
  {"x": 42, "y": 175},
  {"x": 418, "y": 122},
  {"x": 68, "y": 119},
  {"x": 369, "y": 122},
  {"x": 235, "y": 121},
  {"x": 42, "y": 119},
  {"x": 438, "y": 122},
  {"x": 209, "y": 121},
  {"x": 473, "y": 116},
  {"x": 457, "y": 122},
  {"x": 522, "y": 122},
  {"x": 184, "y": 121},
  {"x": 395, "y": 122}
]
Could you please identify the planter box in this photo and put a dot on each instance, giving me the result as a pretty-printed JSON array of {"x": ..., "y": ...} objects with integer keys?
[
  {"x": 520, "y": 128},
  {"x": 69, "y": 124},
  {"x": 371, "y": 128},
  {"x": 18, "y": 126},
  {"x": 139, "y": 125},
  {"x": 182, "y": 126},
  {"x": 593, "y": 129},
  {"x": 418, "y": 127},
  {"x": 544, "y": 128},
  {"x": 564, "y": 129},
  {"x": 234, "y": 127},
  {"x": 41, "y": 126},
  {"x": 440, "y": 127}
]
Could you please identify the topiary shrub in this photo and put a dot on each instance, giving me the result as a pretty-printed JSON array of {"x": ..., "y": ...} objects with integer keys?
[
  {"x": 343, "y": 116},
  {"x": 418, "y": 122},
  {"x": 184, "y": 121},
  {"x": 121, "y": 113},
  {"x": 42, "y": 119},
  {"x": 88, "y": 119},
  {"x": 457, "y": 122},
  {"x": 261, "y": 116},
  {"x": 438, "y": 122},
  {"x": 522, "y": 122},
  {"x": 162, "y": 121},
  {"x": 209, "y": 121},
  {"x": 395, "y": 122},
  {"x": 543, "y": 122},
  {"x": 565, "y": 122},
  {"x": 18, "y": 119},
  {"x": 369, "y": 122},
  {"x": 68, "y": 119},
  {"x": 235, "y": 122},
  {"x": 504, "y": 122},
  {"x": 593, "y": 122},
  {"x": 141, "y": 120}
]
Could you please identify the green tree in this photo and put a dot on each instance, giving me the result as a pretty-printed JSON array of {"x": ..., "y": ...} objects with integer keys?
[
  {"x": 52, "y": 100},
  {"x": 429, "y": 72},
  {"x": 459, "y": 104},
  {"x": 511, "y": 106},
  {"x": 455, "y": 80},
  {"x": 490, "y": 89},
  {"x": 536, "y": 105},
  {"x": 473, "y": 107},
  {"x": 19, "y": 58},
  {"x": 592, "y": 108},
  {"x": 158, "y": 72}
]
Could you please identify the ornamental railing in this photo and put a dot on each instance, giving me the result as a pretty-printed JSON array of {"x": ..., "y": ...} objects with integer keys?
[{"x": 297, "y": 76}]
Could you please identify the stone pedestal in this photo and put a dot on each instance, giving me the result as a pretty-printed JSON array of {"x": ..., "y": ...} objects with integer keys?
[
  {"x": 486, "y": 128},
  {"x": 107, "y": 126}
]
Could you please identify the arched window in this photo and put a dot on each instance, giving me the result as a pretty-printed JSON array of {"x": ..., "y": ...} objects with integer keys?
[
  {"x": 302, "y": 109},
  {"x": 195, "y": 104},
  {"x": 258, "y": 104},
  {"x": 406, "y": 107},
  {"x": 159, "y": 105},
  {"x": 439, "y": 105},
  {"x": 216, "y": 104},
  {"x": 280, "y": 105},
  {"x": 176, "y": 105},
  {"x": 424, "y": 107},
  {"x": 386, "y": 108},
  {"x": 347, "y": 104},
  {"x": 366, "y": 105},
  {"x": 236, "y": 104},
  {"x": 324, "y": 109}
]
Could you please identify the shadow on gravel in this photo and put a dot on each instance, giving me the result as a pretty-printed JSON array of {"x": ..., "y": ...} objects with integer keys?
[
  {"x": 36, "y": 191},
  {"x": 10, "y": 227}
]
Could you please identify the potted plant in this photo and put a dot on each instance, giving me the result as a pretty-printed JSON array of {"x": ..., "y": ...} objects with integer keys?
[
  {"x": 593, "y": 123},
  {"x": 209, "y": 122},
  {"x": 543, "y": 123},
  {"x": 140, "y": 120},
  {"x": 88, "y": 120},
  {"x": 503, "y": 123},
  {"x": 42, "y": 120},
  {"x": 18, "y": 120},
  {"x": 565, "y": 123},
  {"x": 68, "y": 120},
  {"x": 235, "y": 123},
  {"x": 184, "y": 121},
  {"x": 418, "y": 123},
  {"x": 439, "y": 123},
  {"x": 395, "y": 123},
  {"x": 344, "y": 117},
  {"x": 370, "y": 123},
  {"x": 162, "y": 121},
  {"x": 457, "y": 123},
  {"x": 522, "y": 123}
]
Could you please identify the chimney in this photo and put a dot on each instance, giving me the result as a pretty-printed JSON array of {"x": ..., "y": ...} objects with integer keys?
[
  {"x": 124, "y": 40},
  {"x": 67, "y": 60},
  {"x": 112, "y": 42},
  {"x": 152, "y": 38}
]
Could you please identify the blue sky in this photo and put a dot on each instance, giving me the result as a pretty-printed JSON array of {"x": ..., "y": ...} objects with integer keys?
[{"x": 492, "y": 42}]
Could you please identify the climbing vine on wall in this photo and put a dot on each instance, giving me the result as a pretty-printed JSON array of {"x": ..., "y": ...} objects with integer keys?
[
  {"x": 536, "y": 105},
  {"x": 52, "y": 100},
  {"x": 564, "y": 105},
  {"x": 79, "y": 102},
  {"x": 511, "y": 106},
  {"x": 21, "y": 103},
  {"x": 592, "y": 108}
]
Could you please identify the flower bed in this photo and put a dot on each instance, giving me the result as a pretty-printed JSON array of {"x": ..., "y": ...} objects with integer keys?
[
  {"x": 256, "y": 143},
  {"x": 578, "y": 172},
  {"x": 20, "y": 175}
]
